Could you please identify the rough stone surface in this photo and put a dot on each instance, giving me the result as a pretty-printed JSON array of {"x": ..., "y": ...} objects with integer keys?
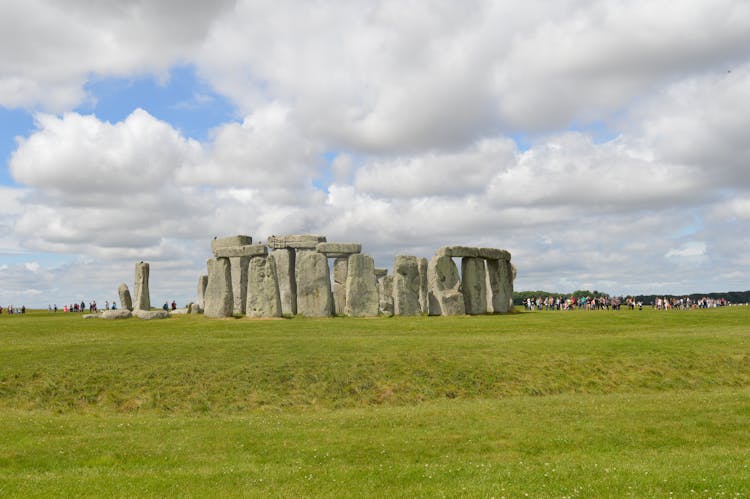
[
  {"x": 423, "y": 300},
  {"x": 219, "y": 300},
  {"x": 202, "y": 284},
  {"x": 142, "y": 296},
  {"x": 229, "y": 242},
  {"x": 444, "y": 287},
  {"x": 195, "y": 308},
  {"x": 301, "y": 241},
  {"x": 380, "y": 273},
  {"x": 474, "y": 284},
  {"x": 406, "y": 286},
  {"x": 314, "y": 297},
  {"x": 148, "y": 315},
  {"x": 338, "y": 250},
  {"x": 458, "y": 252},
  {"x": 90, "y": 316},
  {"x": 493, "y": 254},
  {"x": 180, "y": 311},
  {"x": 285, "y": 263},
  {"x": 248, "y": 251},
  {"x": 238, "y": 267},
  {"x": 361, "y": 287},
  {"x": 340, "y": 269},
  {"x": 263, "y": 299},
  {"x": 500, "y": 279},
  {"x": 125, "y": 300},
  {"x": 122, "y": 313},
  {"x": 385, "y": 295}
]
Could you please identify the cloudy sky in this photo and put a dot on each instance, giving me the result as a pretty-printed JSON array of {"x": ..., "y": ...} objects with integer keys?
[{"x": 605, "y": 144}]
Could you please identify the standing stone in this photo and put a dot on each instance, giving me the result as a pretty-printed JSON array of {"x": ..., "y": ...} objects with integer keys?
[
  {"x": 385, "y": 292},
  {"x": 445, "y": 297},
  {"x": 474, "y": 284},
  {"x": 125, "y": 301},
  {"x": 500, "y": 277},
  {"x": 219, "y": 301},
  {"x": 238, "y": 267},
  {"x": 263, "y": 299},
  {"x": 284, "y": 260},
  {"x": 314, "y": 297},
  {"x": 142, "y": 296},
  {"x": 202, "y": 283},
  {"x": 340, "y": 270},
  {"x": 423, "y": 300},
  {"x": 361, "y": 287},
  {"x": 406, "y": 286}
]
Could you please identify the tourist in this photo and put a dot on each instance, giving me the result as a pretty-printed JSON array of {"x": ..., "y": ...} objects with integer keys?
[{"x": 174, "y": 305}]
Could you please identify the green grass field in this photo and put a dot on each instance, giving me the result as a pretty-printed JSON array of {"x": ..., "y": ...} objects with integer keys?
[{"x": 583, "y": 404}]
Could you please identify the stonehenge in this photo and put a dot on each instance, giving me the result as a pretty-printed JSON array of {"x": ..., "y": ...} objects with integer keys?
[{"x": 305, "y": 274}]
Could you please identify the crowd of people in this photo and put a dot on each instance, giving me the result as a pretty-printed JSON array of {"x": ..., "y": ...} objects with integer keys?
[
  {"x": 615, "y": 303},
  {"x": 10, "y": 309},
  {"x": 687, "y": 303}
]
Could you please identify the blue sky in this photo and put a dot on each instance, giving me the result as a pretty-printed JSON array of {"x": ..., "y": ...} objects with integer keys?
[{"x": 600, "y": 153}]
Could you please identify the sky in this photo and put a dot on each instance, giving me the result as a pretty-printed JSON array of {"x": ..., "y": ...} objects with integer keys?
[{"x": 605, "y": 144}]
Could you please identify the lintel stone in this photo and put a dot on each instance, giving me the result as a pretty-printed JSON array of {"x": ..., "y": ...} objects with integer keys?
[
  {"x": 458, "y": 252},
  {"x": 494, "y": 254},
  {"x": 298, "y": 241},
  {"x": 248, "y": 250},
  {"x": 230, "y": 242},
  {"x": 339, "y": 250}
]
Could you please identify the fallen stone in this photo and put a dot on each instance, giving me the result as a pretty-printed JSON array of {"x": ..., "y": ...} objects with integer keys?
[
  {"x": 202, "y": 283},
  {"x": 301, "y": 241},
  {"x": 248, "y": 251},
  {"x": 340, "y": 270},
  {"x": 180, "y": 311},
  {"x": 238, "y": 267},
  {"x": 148, "y": 315},
  {"x": 285, "y": 263},
  {"x": 122, "y": 313},
  {"x": 500, "y": 278},
  {"x": 361, "y": 287},
  {"x": 474, "y": 285},
  {"x": 314, "y": 297},
  {"x": 458, "y": 252},
  {"x": 444, "y": 287},
  {"x": 263, "y": 299},
  {"x": 406, "y": 286},
  {"x": 125, "y": 301},
  {"x": 142, "y": 295},
  {"x": 493, "y": 254},
  {"x": 229, "y": 242},
  {"x": 385, "y": 295},
  {"x": 423, "y": 300},
  {"x": 219, "y": 299},
  {"x": 338, "y": 250},
  {"x": 90, "y": 316}
]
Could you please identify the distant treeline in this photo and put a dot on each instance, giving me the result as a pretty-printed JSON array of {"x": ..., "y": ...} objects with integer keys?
[{"x": 730, "y": 296}]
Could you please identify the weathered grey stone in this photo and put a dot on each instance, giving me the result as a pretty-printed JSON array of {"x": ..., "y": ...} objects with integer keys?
[
  {"x": 219, "y": 300},
  {"x": 229, "y": 242},
  {"x": 285, "y": 263},
  {"x": 148, "y": 315},
  {"x": 122, "y": 313},
  {"x": 300, "y": 241},
  {"x": 340, "y": 269},
  {"x": 238, "y": 267},
  {"x": 263, "y": 299},
  {"x": 338, "y": 250},
  {"x": 248, "y": 251},
  {"x": 380, "y": 273},
  {"x": 458, "y": 252},
  {"x": 361, "y": 287},
  {"x": 513, "y": 268},
  {"x": 500, "y": 278},
  {"x": 202, "y": 284},
  {"x": 406, "y": 286},
  {"x": 474, "y": 285},
  {"x": 125, "y": 301},
  {"x": 314, "y": 297},
  {"x": 493, "y": 254},
  {"x": 195, "y": 308},
  {"x": 142, "y": 295},
  {"x": 385, "y": 295},
  {"x": 423, "y": 300},
  {"x": 180, "y": 311},
  {"x": 444, "y": 287}
]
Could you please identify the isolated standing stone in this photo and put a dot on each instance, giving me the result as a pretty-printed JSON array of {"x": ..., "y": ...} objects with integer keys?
[
  {"x": 423, "y": 300},
  {"x": 444, "y": 285},
  {"x": 202, "y": 283},
  {"x": 285, "y": 262},
  {"x": 340, "y": 270},
  {"x": 314, "y": 297},
  {"x": 219, "y": 301},
  {"x": 474, "y": 284},
  {"x": 406, "y": 286},
  {"x": 238, "y": 267},
  {"x": 385, "y": 292},
  {"x": 263, "y": 299},
  {"x": 361, "y": 287},
  {"x": 125, "y": 301},
  {"x": 142, "y": 296},
  {"x": 500, "y": 278}
]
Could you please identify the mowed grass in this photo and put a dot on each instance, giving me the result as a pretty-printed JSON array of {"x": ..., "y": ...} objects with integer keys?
[{"x": 637, "y": 403}]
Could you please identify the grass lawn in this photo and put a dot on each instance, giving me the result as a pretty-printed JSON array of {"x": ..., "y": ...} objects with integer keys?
[{"x": 639, "y": 403}]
